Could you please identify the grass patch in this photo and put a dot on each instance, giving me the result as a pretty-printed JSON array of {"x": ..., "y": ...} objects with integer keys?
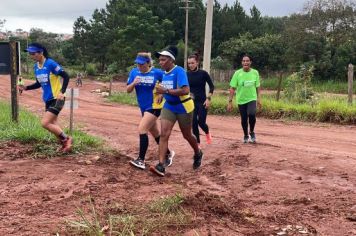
[
  {"x": 124, "y": 98},
  {"x": 329, "y": 86},
  {"x": 159, "y": 216},
  {"x": 30, "y": 131},
  {"x": 326, "y": 108}
]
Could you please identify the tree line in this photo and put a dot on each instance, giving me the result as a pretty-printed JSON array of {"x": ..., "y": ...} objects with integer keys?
[{"x": 322, "y": 35}]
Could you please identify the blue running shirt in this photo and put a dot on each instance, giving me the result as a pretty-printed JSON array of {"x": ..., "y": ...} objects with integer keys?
[
  {"x": 47, "y": 76},
  {"x": 145, "y": 90},
  {"x": 177, "y": 78}
]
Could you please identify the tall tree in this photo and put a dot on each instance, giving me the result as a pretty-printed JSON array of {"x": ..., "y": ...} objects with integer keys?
[{"x": 255, "y": 22}]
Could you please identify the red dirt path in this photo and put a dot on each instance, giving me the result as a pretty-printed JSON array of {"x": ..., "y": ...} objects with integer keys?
[{"x": 299, "y": 177}]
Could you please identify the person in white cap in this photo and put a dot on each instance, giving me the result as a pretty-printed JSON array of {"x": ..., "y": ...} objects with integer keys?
[
  {"x": 143, "y": 79},
  {"x": 178, "y": 106}
]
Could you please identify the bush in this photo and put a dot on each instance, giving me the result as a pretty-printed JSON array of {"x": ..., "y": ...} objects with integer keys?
[
  {"x": 91, "y": 69},
  {"x": 298, "y": 88}
]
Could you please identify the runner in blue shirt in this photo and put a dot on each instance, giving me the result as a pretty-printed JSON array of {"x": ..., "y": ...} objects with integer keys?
[
  {"x": 48, "y": 74},
  {"x": 144, "y": 79},
  {"x": 178, "y": 106}
]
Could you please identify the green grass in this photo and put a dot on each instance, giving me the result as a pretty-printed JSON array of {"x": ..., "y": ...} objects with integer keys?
[
  {"x": 29, "y": 131},
  {"x": 124, "y": 98},
  {"x": 146, "y": 219},
  {"x": 326, "y": 108},
  {"x": 329, "y": 86}
]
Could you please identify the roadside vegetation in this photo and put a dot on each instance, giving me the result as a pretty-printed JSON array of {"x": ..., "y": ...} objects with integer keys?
[
  {"x": 29, "y": 131},
  {"x": 156, "y": 216}
]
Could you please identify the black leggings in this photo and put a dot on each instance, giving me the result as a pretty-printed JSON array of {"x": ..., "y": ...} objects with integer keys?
[
  {"x": 199, "y": 119},
  {"x": 248, "y": 112}
]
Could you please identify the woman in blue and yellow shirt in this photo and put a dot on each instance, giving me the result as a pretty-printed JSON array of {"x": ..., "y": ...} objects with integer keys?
[
  {"x": 178, "y": 106},
  {"x": 143, "y": 79},
  {"x": 48, "y": 74}
]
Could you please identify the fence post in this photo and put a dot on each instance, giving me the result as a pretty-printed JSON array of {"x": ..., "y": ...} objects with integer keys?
[
  {"x": 13, "y": 74},
  {"x": 350, "y": 82},
  {"x": 110, "y": 86},
  {"x": 280, "y": 77},
  {"x": 71, "y": 111}
]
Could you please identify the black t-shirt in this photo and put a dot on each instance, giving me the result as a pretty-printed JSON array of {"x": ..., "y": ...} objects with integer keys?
[{"x": 197, "y": 80}]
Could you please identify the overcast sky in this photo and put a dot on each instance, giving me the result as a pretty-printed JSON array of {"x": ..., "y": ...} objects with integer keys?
[{"x": 59, "y": 16}]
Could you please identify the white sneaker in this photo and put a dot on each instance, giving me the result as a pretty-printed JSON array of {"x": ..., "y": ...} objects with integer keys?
[
  {"x": 169, "y": 159},
  {"x": 139, "y": 163}
]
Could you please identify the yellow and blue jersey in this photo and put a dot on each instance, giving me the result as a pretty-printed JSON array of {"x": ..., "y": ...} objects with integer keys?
[
  {"x": 47, "y": 76},
  {"x": 177, "y": 78},
  {"x": 145, "y": 90}
]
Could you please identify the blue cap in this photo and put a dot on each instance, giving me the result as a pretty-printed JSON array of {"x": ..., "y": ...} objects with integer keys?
[
  {"x": 142, "y": 60},
  {"x": 33, "y": 49}
]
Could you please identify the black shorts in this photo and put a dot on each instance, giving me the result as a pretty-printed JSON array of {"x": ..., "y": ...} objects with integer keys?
[
  {"x": 55, "y": 106},
  {"x": 155, "y": 112}
]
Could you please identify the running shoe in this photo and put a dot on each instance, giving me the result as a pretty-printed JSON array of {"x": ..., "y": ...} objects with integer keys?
[
  {"x": 158, "y": 169},
  {"x": 208, "y": 138},
  {"x": 169, "y": 158},
  {"x": 246, "y": 138},
  {"x": 253, "y": 137},
  {"x": 67, "y": 144},
  {"x": 197, "y": 159},
  {"x": 139, "y": 163}
]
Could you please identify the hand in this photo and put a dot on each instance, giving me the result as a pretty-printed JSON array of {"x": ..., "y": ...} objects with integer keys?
[
  {"x": 160, "y": 89},
  {"x": 207, "y": 103},
  {"x": 159, "y": 99},
  {"x": 229, "y": 107},
  {"x": 60, "y": 96},
  {"x": 137, "y": 80}
]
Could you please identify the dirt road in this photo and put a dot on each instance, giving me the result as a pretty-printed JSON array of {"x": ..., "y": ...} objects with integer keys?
[{"x": 299, "y": 179}]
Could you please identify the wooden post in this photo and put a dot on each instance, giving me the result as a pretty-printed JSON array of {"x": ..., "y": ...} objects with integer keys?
[
  {"x": 280, "y": 77},
  {"x": 350, "y": 82},
  {"x": 110, "y": 86},
  {"x": 71, "y": 111},
  {"x": 13, "y": 74}
]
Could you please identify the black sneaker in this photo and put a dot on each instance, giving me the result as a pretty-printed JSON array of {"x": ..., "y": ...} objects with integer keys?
[
  {"x": 197, "y": 159},
  {"x": 158, "y": 169},
  {"x": 139, "y": 163},
  {"x": 169, "y": 158},
  {"x": 253, "y": 137},
  {"x": 246, "y": 138}
]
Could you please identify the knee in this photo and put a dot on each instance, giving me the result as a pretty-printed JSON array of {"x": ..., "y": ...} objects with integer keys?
[
  {"x": 164, "y": 135},
  {"x": 44, "y": 124}
]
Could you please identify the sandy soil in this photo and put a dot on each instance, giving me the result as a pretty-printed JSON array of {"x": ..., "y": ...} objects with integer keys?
[{"x": 298, "y": 180}]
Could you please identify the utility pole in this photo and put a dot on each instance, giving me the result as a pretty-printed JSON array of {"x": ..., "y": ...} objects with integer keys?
[
  {"x": 207, "y": 39},
  {"x": 208, "y": 36},
  {"x": 186, "y": 31}
]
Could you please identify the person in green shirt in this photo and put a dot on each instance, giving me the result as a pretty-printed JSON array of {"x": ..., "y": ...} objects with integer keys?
[{"x": 247, "y": 83}]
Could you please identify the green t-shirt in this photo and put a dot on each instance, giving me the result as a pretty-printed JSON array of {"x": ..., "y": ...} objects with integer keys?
[{"x": 246, "y": 84}]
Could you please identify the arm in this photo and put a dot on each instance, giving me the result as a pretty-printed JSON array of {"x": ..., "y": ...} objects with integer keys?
[
  {"x": 211, "y": 90},
  {"x": 65, "y": 77},
  {"x": 130, "y": 87},
  {"x": 175, "y": 92},
  {"x": 231, "y": 96},
  {"x": 35, "y": 85}
]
